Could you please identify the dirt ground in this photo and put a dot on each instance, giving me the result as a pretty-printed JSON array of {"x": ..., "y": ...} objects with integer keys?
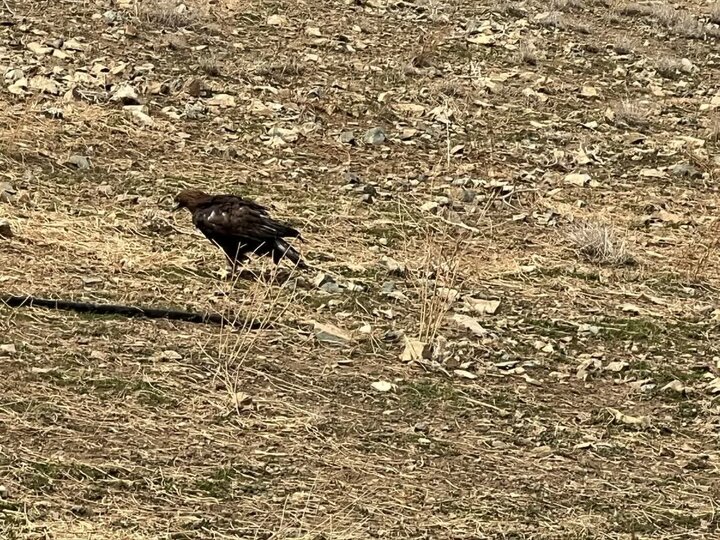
[{"x": 529, "y": 189}]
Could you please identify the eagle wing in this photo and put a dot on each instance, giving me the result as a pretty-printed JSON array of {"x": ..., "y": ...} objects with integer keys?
[{"x": 239, "y": 226}]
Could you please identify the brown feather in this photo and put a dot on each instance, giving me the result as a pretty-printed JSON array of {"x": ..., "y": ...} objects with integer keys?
[{"x": 239, "y": 226}]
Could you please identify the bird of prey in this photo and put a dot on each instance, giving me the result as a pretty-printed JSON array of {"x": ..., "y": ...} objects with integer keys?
[{"x": 239, "y": 226}]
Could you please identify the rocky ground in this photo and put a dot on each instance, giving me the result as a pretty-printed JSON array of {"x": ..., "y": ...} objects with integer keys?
[{"x": 511, "y": 325}]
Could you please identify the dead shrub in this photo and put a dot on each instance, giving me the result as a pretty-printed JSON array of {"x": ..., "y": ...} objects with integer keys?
[
  {"x": 599, "y": 243},
  {"x": 626, "y": 45},
  {"x": 210, "y": 66},
  {"x": 631, "y": 113},
  {"x": 634, "y": 9},
  {"x": 714, "y": 15},
  {"x": 167, "y": 14},
  {"x": 527, "y": 54},
  {"x": 669, "y": 68}
]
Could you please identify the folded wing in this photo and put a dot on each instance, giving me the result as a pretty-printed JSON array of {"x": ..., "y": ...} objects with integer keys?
[{"x": 240, "y": 227}]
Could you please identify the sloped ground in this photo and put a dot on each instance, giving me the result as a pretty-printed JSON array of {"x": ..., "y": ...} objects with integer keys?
[{"x": 583, "y": 405}]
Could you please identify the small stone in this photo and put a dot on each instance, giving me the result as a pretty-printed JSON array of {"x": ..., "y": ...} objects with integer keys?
[
  {"x": 416, "y": 350},
  {"x": 73, "y": 44},
  {"x": 331, "y": 287},
  {"x": 686, "y": 170},
  {"x": 468, "y": 195},
  {"x": 464, "y": 374},
  {"x": 111, "y": 16},
  {"x": 347, "y": 137},
  {"x": 393, "y": 266},
  {"x": 3, "y": 492},
  {"x": 374, "y": 135},
  {"x": 138, "y": 115},
  {"x": 616, "y": 366},
  {"x": 38, "y": 49},
  {"x": 674, "y": 386},
  {"x": 222, "y": 100},
  {"x": 421, "y": 427},
  {"x": 126, "y": 95},
  {"x": 430, "y": 206},
  {"x": 12, "y": 75},
  {"x": 6, "y": 192},
  {"x": 329, "y": 334},
  {"x": 367, "y": 198},
  {"x": 365, "y": 329},
  {"x": 81, "y": 162},
  {"x": 277, "y": 20},
  {"x": 388, "y": 287},
  {"x": 5, "y": 229}
]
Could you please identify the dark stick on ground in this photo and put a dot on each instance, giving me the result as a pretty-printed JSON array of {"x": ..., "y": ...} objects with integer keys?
[{"x": 128, "y": 311}]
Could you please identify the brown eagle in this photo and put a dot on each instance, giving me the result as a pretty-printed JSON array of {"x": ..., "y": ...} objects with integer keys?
[{"x": 239, "y": 226}]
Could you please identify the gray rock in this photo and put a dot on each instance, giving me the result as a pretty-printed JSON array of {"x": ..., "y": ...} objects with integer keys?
[
  {"x": 347, "y": 137},
  {"x": 388, "y": 287},
  {"x": 351, "y": 178},
  {"x": 686, "y": 170},
  {"x": 468, "y": 195},
  {"x": 112, "y": 16},
  {"x": 54, "y": 112},
  {"x": 374, "y": 135},
  {"x": 81, "y": 162},
  {"x": 329, "y": 334},
  {"x": 6, "y": 192},
  {"x": 331, "y": 287},
  {"x": 5, "y": 229},
  {"x": 126, "y": 95},
  {"x": 12, "y": 75}
]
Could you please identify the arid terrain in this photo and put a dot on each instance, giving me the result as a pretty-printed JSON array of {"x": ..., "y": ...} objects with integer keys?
[{"x": 510, "y": 325}]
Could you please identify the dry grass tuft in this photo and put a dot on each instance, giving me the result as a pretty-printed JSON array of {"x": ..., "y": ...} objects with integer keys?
[
  {"x": 210, "y": 65},
  {"x": 527, "y": 54},
  {"x": 714, "y": 13},
  {"x": 634, "y": 9},
  {"x": 167, "y": 13},
  {"x": 631, "y": 113},
  {"x": 713, "y": 129},
  {"x": 599, "y": 243},
  {"x": 626, "y": 45},
  {"x": 554, "y": 19},
  {"x": 669, "y": 68}
]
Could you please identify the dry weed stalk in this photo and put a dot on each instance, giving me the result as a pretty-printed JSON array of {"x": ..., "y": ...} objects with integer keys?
[
  {"x": 714, "y": 15},
  {"x": 166, "y": 13},
  {"x": 599, "y": 243},
  {"x": 631, "y": 113},
  {"x": 435, "y": 278},
  {"x": 265, "y": 301}
]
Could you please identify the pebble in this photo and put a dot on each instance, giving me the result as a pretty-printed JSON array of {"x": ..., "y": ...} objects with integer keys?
[
  {"x": 5, "y": 229},
  {"x": 374, "y": 135}
]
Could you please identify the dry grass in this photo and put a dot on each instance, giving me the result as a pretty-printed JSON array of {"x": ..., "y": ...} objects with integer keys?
[
  {"x": 631, "y": 113},
  {"x": 167, "y": 14},
  {"x": 210, "y": 66},
  {"x": 669, "y": 68},
  {"x": 626, "y": 45},
  {"x": 599, "y": 243},
  {"x": 714, "y": 13},
  {"x": 527, "y": 54},
  {"x": 558, "y": 414}
]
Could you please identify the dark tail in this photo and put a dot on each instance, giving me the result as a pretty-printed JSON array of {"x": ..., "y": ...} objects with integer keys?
[{"x": 284, "y": 250}]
